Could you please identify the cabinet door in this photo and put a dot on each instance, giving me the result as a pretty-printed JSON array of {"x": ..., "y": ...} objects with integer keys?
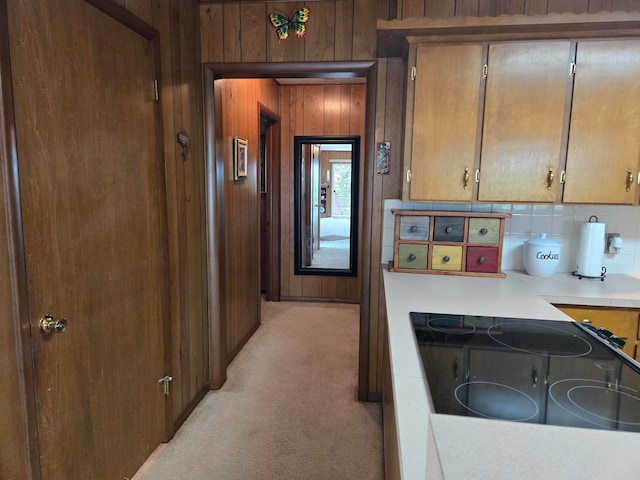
[
  {"x": 604, "y": 140},
  {"x": 524, "y": 116},
  {"x": 622, "y": 323},
  {"x": 445, "y": 122}
]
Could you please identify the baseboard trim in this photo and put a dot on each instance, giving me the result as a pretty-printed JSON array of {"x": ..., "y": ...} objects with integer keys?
[{"x": 319, "y": 300}]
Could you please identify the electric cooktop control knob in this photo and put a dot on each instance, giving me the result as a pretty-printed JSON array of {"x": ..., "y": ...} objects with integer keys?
[{"x": 616, "y": 341}]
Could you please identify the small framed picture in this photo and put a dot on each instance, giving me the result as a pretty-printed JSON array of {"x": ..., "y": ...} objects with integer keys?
[{"x": 240, "y": 147}]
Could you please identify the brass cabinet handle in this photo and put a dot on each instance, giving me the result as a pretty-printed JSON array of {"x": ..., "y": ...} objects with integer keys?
[
  {"x": 563, "y": 176},
  {"x": 550, "y": 178},
  {"x": 48, "y": 325},
  {"x": 629, "y": 179},
  {"x": 411, "y": 257},
  {"x": 477, "y": 179},
  {"x": 466, "y": 178}
]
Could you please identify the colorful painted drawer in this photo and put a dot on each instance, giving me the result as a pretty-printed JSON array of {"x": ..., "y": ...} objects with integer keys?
[
  {"x": 482, "y": 259},
  {"x": 484, "y": 230},
  {"x": 450, "y": 243},
  {"x": 448, "y": 229},
  {"x": 414, "y": 227},
  {"x": 413, "y": 256},
  {"x": 446, "y": 257}
]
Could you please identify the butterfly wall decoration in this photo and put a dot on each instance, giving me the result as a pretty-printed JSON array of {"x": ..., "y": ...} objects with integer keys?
[{"x": 296, "y": 23}]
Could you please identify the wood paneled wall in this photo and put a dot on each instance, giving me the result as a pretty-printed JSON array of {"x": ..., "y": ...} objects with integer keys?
[
  {"x": 337, "y": 30},
  {"x": 315, "y": 110},
  {"x": 182, "y": 106},
  {"x": 240, "y": 269}
]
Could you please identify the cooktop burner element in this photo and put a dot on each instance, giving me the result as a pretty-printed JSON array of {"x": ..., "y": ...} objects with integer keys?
[
  {"x": 598, "y": 403},
  {"x": 527, "y": 370},
  {"x": 515, "y": 405},
  {"x": 558, "y": 342},
  {"x": 451, "y": 324}
]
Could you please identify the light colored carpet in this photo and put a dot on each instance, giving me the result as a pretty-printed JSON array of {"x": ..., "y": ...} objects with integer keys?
[{"x": 288, "y": 410}]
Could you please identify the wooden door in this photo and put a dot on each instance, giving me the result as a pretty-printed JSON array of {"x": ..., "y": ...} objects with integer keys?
[
  {"x": 524, "y": 117},
  {"x": 93, "y": 211},
  {"x": 446, "y": 103},
  {"x": 604, "y": 139}
]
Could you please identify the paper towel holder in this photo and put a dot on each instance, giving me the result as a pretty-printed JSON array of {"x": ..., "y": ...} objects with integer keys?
[{"x": 613, "y": 243}]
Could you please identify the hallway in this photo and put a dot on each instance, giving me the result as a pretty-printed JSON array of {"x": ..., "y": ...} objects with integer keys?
[{"x": 288, "y": 410}]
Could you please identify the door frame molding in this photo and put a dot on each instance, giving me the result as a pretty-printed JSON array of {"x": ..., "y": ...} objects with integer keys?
[
  {"x": 18, "y": 269},
  {"x": 214, "y": 192},
  {"x": 272, "y": 201}
]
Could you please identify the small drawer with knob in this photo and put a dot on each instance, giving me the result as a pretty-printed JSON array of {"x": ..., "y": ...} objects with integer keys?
[
  {"x": 414, "y": 227},
  {"x": 413, "y": 256},
  {"x": 482, "y": 259},
  {"x": 446, "y": 257},
  {"x": 448, "y": 243},
  {"x": 484, "y": 230},
  {"x": 448, "y": 229}
]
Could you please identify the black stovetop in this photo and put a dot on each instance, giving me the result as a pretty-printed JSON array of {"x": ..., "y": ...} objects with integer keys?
[{"x": 527, "y": 370}]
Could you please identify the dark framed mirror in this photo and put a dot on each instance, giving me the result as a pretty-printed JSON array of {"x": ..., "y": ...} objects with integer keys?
[{"x": 326, "y": 173}]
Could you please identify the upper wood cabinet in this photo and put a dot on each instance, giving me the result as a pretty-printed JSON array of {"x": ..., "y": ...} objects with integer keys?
[
  {"x": 442, "y": 122},
  {"x": 517, "y": 110},
  {"x": 604, "y": 142},
  {"x": 528, "y": 84}
]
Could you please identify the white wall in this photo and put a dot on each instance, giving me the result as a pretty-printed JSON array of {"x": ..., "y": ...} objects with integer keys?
[{"x": 560, "y": 222}]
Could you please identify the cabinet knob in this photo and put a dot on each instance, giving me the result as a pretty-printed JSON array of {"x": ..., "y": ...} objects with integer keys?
[
  {"x": 449, "y": 229},
  {"x": 482, "y": 260},
  {"x": 413, "y": 229},
  {"x": 483, "y": 231},
  {"x": 411, "y": 257},
  {"x": 445, "y": 259}
]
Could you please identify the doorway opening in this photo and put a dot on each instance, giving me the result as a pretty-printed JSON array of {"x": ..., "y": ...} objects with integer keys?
[{"x": 215, "y": 193}]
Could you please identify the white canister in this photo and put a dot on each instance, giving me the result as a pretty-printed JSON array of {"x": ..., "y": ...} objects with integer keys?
[{"x": 541, "y": 256}]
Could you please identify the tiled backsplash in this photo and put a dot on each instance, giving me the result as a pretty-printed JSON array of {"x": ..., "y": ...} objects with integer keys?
[{"x": 560, "y": 222}]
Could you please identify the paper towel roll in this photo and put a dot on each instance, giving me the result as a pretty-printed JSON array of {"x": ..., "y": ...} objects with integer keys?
[{"x": 591, "y": 250}]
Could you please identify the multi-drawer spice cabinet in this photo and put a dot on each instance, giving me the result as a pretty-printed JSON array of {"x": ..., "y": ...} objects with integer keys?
[{"x": 450, "y": 243}]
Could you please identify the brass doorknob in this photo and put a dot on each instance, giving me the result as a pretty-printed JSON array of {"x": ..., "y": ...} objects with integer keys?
[{"x": 48, "y": 325}]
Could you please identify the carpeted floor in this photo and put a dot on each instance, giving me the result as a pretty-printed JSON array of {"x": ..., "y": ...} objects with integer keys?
[{"x": 288, "y": 410}]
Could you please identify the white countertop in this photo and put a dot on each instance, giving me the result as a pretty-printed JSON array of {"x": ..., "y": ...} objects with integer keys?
[{"x": 445, "y": 446}]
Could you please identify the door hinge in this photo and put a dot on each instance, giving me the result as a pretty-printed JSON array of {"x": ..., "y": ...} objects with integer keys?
[
  {"x": 165, "y": 383},
  {"x": 156, "y": 95},
  {"x": 572, "y": 69},
  {"x": 413, "y": 73},
  {"x": 408, "y": 176},
  {"x": 485, "y": 70}
]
